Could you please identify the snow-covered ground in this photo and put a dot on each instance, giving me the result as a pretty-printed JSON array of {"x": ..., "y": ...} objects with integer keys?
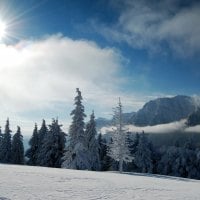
[{"x": 23, "y": 182}]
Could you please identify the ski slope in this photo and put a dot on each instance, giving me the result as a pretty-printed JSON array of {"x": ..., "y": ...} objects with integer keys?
[{"x": 24, "y": 182}]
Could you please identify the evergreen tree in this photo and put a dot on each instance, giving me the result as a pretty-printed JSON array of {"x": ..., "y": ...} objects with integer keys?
[
  {"x": 6, "y": 144},
  {"x": 189, "y": 159},
  {"x": 118, "y": 149},
  {"x": 133, "y": 141},
  {"x": 169, "y": 163},
  {"x": 105, "y": 160},
  {"x": 93, "y": 147},
  {"x": 32, "y": 152},
  {"x": 53, "y": 146},
  {"x": 154, "y": 157},
  {"x": 143, "y": 155},
  {"x": 17, "y": 148},
  {"x": 76, "y": 156},
  {"x": 190, "y": 144},
  {"x": 198, "y": 163},
  {"x": 77, "y": 127},
  {"x": 179, "y": 161},
  {"x": 1, "y": 143},
  {"x": 1, "y": 137},
  {"x": 42, "y": 133}
]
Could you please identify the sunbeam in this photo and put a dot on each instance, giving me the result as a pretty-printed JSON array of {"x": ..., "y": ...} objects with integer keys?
[{"x": 2, "y": 29}]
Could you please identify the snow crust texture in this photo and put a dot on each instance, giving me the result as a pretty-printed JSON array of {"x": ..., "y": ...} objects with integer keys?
[{"x": 24, "y": 182}]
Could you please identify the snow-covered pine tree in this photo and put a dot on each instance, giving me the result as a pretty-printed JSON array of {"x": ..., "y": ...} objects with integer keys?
[
  {"x": 198, "y": 162},
  {"x": 17, "y": 148},
  {"x": 32, "y": 152},
  {"x": 77, "y": 127},
  {"x": 6, "y": 144},
  {"x": 93, "y": 146},
  {"x": 189, "y": 159},
  {"x": 143, "y": 155},
  {"x": 42, "y": 133},
  {"x": 118, "y": 149},
  {"x": 1, "y": 142},
  {"x": 53, "y": 146},
  {"x": 76, "y": 155},
  {"x": 169, "y": 164}
]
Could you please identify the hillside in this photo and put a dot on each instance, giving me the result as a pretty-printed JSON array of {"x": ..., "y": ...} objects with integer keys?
[{"x": 23, "y": 182}]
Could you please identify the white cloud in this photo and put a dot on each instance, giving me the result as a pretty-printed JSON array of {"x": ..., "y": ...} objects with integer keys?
[
  {"x": 193, "y": 129},
  {"x": 148, "y": 24},
  {"x": 41, "y": 74},
  {"x": 196, "y": 101},
  {"x": 34, "y": 73}
]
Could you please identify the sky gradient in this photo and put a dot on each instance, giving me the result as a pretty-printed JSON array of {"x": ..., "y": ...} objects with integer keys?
[{"x": 138, "y": 50}]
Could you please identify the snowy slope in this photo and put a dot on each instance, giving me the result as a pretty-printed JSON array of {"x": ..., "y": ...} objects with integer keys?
[{"x": 23, "y": 182}]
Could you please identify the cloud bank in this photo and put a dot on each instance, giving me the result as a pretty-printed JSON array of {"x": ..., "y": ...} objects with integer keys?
[
  {"x": 155, "y": 24},
  {"x": 173, "y": 127}
]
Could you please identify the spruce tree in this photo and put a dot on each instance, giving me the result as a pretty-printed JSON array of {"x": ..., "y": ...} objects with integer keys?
[
  {"x": 17, "y": 148},
  {"x": 198, "y": 163},
  {"x": 1, "y": 143},
  {"x": 143, "y": 155},
  {"x": 42, "y": 133},
  {"x": 53, "y": 146},
  {"x": 76, "y": 156},
  {"x": 105, "y": 160},
  {"x": 1, "y": 137},
  {"x": 189, "y": 159},
  {"x": 6, "y": 144},
  {"x": 93, "y": 147},
  {"x": 133, "y": 141},
  {"x": 170, "y": 163},
  {"x": 32, "y": 152},
  {"x": 118, "y": 149},
  {"x": 77, "y": 127}
]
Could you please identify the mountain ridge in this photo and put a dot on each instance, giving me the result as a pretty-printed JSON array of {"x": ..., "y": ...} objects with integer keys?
[{"x": 158, "y": 111}]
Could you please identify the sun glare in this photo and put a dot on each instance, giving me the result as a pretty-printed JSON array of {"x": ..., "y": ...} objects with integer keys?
[{"x": 2, "y": 29}]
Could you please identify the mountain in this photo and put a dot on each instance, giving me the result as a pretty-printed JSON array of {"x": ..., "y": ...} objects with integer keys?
[
  {"x": 128, "y": 118},
  {"x": 159, "y": 111},
  {"x": 164, "y": 110},
  {"x": 102, "y": 122},
  {"x": 25, "y": 182},
  {"x": 194, "y": 118}
]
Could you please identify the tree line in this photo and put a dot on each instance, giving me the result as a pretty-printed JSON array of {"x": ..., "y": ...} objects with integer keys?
[
  {"x": 11, "y": 151},
  {"x": 82, "y": 148}
]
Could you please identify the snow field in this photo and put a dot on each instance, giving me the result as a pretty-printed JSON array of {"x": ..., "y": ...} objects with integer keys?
[{"x": 25, "y": 182}]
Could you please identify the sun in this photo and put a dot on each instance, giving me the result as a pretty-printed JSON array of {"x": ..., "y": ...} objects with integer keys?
[{"x": 2, "y": 29}]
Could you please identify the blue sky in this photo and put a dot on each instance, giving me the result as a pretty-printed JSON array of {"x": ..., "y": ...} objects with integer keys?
[{"x": 138, "y": 50}]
